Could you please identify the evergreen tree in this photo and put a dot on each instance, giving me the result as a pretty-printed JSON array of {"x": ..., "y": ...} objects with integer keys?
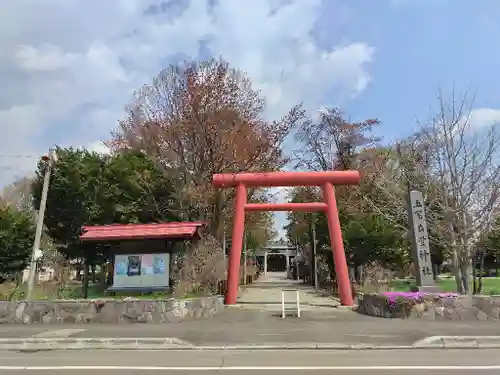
[{"x": 17, "y": 232}]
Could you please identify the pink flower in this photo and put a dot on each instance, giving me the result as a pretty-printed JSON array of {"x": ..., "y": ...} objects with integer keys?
[{"x": 415, "y": 296}]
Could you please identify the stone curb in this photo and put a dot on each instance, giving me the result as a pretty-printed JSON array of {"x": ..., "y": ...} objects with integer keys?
[{"x": 40, "y": 344}]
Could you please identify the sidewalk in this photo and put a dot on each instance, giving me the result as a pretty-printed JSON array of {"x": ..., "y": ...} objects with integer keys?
[
  {"x": 236, "y": 326},
  {"x": 254, "y": 327}
]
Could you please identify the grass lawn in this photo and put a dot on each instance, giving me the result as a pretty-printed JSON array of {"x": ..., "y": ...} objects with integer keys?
[{"x": 491, "y": 285}]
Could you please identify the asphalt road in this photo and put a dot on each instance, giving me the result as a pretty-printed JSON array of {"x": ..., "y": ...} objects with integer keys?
[{"x": 406, "y": 362}]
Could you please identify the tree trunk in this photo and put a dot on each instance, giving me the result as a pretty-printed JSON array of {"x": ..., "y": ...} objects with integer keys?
[
  {"x": 475, "y": 277},
  {"x": 111, "y": 272},
  {"x": 466, "y": 264},
  {"x": 19, "y": 279},
  {"x": 456, "y": 261},
  {"x": 478, "y": 271},
  {"x": 217, "y": 222},
  {"x": 103, "y": 276},
  {"x": 78, "y": 268},
  {"x": 457, "y": 271},
  {"x": 466, "y": 273},
  {"x": 85, "y": 286},
  {"x": 359, "y": 274},
  {"x": 435, "y": 271},
  {"x": 481, "y": 271}
]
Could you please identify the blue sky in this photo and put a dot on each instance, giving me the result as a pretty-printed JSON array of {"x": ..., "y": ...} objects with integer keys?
[
  {"x": 420, "y": 46},
  {"x": 67, "y": 70}
]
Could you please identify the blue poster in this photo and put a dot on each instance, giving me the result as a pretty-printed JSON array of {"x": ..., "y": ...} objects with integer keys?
[
  {"x": 121, "y": 268},
  {"x": 134, "y": 265},
  {"x": 159, "y": 266}
]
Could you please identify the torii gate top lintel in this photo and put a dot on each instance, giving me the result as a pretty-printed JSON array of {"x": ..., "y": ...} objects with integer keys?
[{"x": 283, "y": 179}]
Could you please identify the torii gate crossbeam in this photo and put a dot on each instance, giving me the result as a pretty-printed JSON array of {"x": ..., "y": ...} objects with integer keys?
[{"x": 326, "y": 180}]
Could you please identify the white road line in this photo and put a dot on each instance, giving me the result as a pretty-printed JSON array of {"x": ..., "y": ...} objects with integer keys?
[
  {"x": 364, "y": 335},
  {"x": 271, "y": 334},
  {"x": 252, "y": 368},
  {"x": 429, "y": 340},
  {"x": 58, "y": 333}
]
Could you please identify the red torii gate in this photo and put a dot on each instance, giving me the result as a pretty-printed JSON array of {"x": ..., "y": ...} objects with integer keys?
[{"x": 326, "y": 180}]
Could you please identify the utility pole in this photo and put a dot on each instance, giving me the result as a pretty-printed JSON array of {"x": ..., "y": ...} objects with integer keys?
[
  {"x": 50, "y": 159},
  {"x": 245, "y": 258},
  {"x": 297, "y": 256},
  {"x": 316, "y": 286},
  {"x": 224, "y": 244}
]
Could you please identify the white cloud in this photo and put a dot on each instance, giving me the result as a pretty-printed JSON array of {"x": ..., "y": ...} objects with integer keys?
[
  {"x": 67, "y": 68},
  {"x": 484, "y": 117},
  {"x": 99, "y": 147}
]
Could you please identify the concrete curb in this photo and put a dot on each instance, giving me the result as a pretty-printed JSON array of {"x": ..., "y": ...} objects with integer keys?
[
  {"x": 460, "y": 342},
  {"x": 40, "y": 344},
  {"x": 68, "y": 343}
]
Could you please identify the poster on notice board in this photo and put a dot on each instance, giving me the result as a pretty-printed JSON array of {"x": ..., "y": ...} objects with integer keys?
[
  {"x": 147, "y": 264},
  {"x": 159, "y": 265},
  {"x": 121, "y": 267},
  {"x": 134, "y": 265}
]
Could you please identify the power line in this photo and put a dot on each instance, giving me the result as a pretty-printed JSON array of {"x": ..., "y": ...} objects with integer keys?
[
  {"x": 10, "y": 162},
  {"x": 14, "y": 168},
  {"x": 20, "y": 156},
  {"x": 17, "y": 163}
]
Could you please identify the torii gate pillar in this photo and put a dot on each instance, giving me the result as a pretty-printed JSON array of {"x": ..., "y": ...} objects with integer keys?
[{"x": 326, "y": 180}]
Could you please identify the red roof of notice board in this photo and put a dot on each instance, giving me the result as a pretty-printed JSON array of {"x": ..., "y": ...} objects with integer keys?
[{"x": 179, "y": 230}]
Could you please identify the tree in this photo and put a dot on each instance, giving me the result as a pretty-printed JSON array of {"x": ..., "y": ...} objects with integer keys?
[
  {"x": 490, "y": 243},
  {"x": 456, "y": 165},
  {"x": 17, "y": 232},
  {"x": 74, "y": 196},
  {"x": 466, "y": 162},
  {"x": 137, "y": 191},
  {"x": 259, "y": 230},
  {"x": 326, "y": 144},
  {"x": 198, "y": 119},
  {"x": 487, "y": 255},
  {"x": 304, "y": 227},
  {"x": 367, "y": 237},
  {"x": 389, "y": 172},
  {"x": 201, "y": 268},
  {"x": 90, "y": 189},
  {"x": 18, "y": 194},
  {"x": 299, "y": 223},
  {"x": 335, "y": 143}
]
